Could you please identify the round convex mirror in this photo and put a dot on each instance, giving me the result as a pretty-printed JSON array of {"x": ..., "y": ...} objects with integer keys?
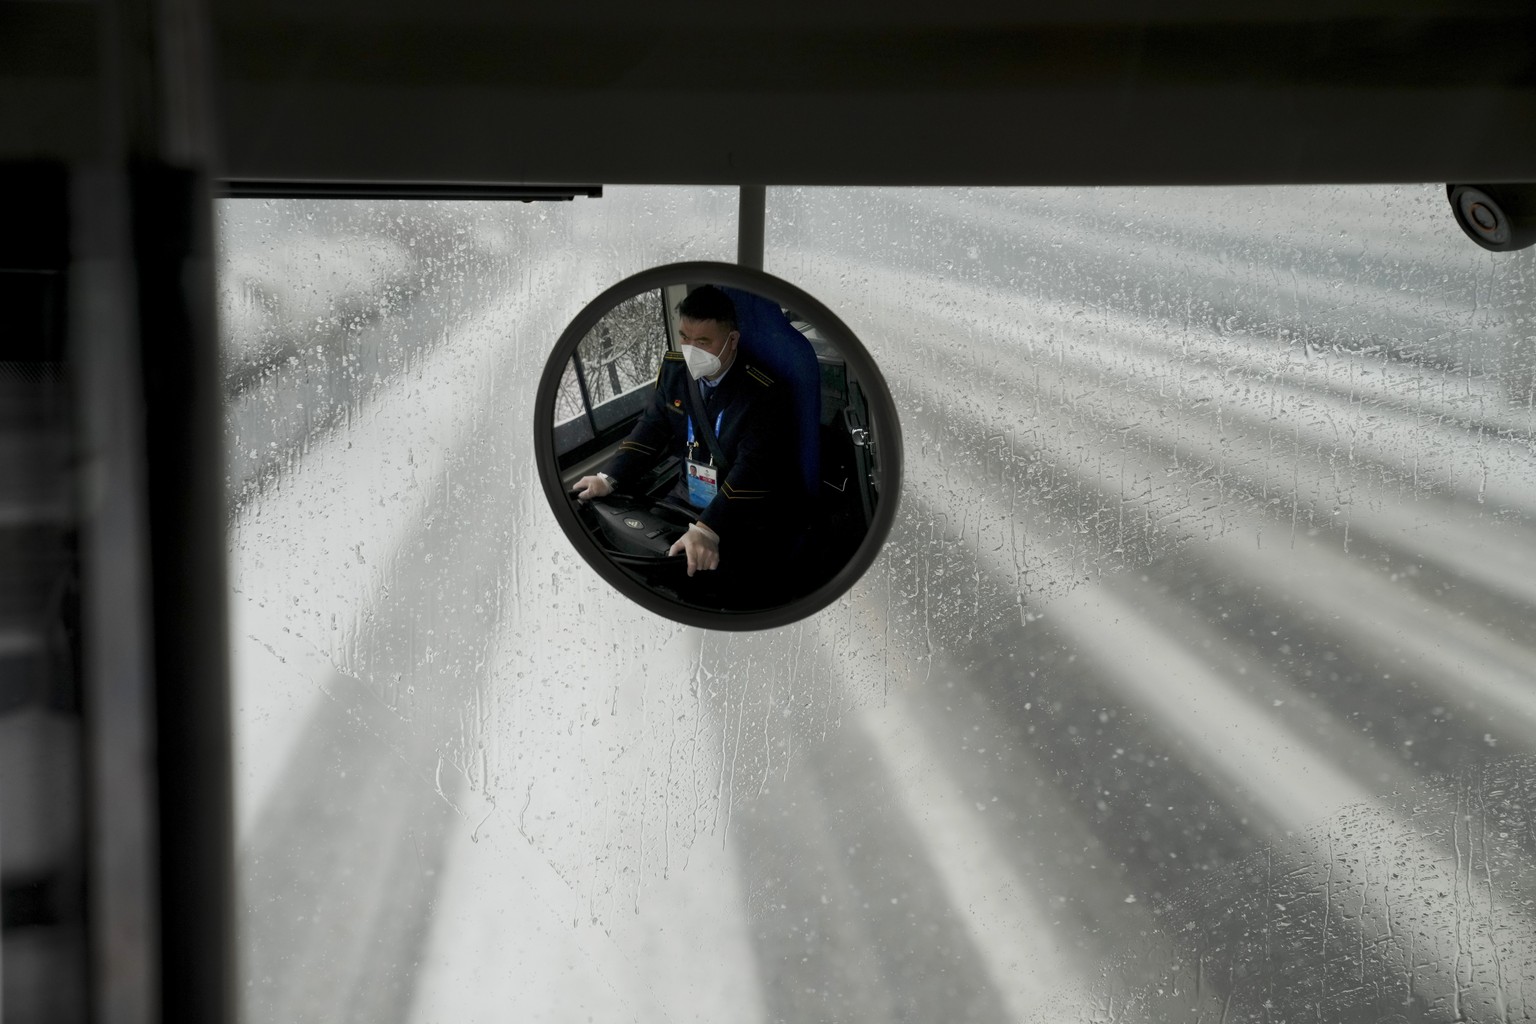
[{"x": 718, "y": 446}]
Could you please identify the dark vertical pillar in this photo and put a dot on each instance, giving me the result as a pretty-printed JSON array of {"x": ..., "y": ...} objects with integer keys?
[
  {"x": 171, "y": 220},
  {"x": 43, "y": 916},
  {"x": 119, "y": 699},
  {"x": 156, "y": 190}
]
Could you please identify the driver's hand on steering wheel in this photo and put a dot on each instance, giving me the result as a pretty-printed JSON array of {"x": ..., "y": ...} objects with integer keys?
[
  {"x": 595, "y": 486},
  {"x": 701, "y": 545}
]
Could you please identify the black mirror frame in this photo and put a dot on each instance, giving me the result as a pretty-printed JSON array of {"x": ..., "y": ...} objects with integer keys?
[{"x": 886, "y": 428}]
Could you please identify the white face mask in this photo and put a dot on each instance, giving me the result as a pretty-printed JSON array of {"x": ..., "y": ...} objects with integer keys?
[{"x": 700, "y": 363}]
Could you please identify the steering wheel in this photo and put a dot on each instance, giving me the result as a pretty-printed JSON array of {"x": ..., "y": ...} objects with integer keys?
[
  {"x": 609, "y": 519},
  {"x": 667, "y": 503}
]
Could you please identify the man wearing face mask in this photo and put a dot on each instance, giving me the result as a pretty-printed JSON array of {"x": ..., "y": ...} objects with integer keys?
[{"x": 741, "y": 502}]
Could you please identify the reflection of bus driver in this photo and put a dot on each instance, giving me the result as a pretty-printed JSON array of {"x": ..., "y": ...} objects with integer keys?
[{"x": 737, "y": 501}]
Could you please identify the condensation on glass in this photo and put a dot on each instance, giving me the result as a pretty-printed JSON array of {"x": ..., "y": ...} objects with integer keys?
[{"x": 1196, "y": 677}]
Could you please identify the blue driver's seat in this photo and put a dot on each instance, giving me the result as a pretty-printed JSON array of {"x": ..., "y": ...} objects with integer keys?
[{"x": 771, "y": 342}]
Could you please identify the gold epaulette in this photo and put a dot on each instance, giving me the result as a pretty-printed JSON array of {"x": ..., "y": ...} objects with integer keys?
[
  {"x": 671, "y": 355},
  {"x": 759, "y": 376}
]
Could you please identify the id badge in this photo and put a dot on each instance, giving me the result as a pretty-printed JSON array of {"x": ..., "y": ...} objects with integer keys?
[{"x": 702, "y": 483}]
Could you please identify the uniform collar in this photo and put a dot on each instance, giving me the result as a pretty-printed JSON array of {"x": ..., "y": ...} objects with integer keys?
[{"x": 712, "y": 384}]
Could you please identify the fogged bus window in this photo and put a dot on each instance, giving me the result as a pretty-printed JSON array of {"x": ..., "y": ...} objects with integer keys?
[{"x": 1194, "y": 681}]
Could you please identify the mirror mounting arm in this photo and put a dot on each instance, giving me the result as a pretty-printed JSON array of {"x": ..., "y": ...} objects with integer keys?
[{"x": 751, "y": 218}]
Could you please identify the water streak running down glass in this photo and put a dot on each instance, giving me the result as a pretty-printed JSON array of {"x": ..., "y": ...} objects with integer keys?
[{"x": 1195, "y": 676}]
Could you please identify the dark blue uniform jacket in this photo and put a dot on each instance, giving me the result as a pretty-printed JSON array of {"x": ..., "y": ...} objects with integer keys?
[{"x": 756, "y": 436}]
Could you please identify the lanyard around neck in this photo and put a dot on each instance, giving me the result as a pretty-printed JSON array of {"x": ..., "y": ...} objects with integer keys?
[{"x": 719, "y": 416}]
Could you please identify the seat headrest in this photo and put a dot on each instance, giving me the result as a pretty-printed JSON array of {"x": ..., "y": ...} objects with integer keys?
[{"x": 772, "y": 342}]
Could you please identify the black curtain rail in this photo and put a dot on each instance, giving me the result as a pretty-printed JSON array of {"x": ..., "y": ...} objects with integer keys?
[{"x": 243, "y": 188}]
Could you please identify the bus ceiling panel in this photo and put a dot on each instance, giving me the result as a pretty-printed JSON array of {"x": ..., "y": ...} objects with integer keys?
[
  {"x": 677, "y": 16},
  {"x": 50, "y": 106},
  {"x": 463, "y": 95},
  {"x": 1018, "y": 136},
  {"x": 49, "y": 119},
  {"x": 1476, "y": 49}
]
